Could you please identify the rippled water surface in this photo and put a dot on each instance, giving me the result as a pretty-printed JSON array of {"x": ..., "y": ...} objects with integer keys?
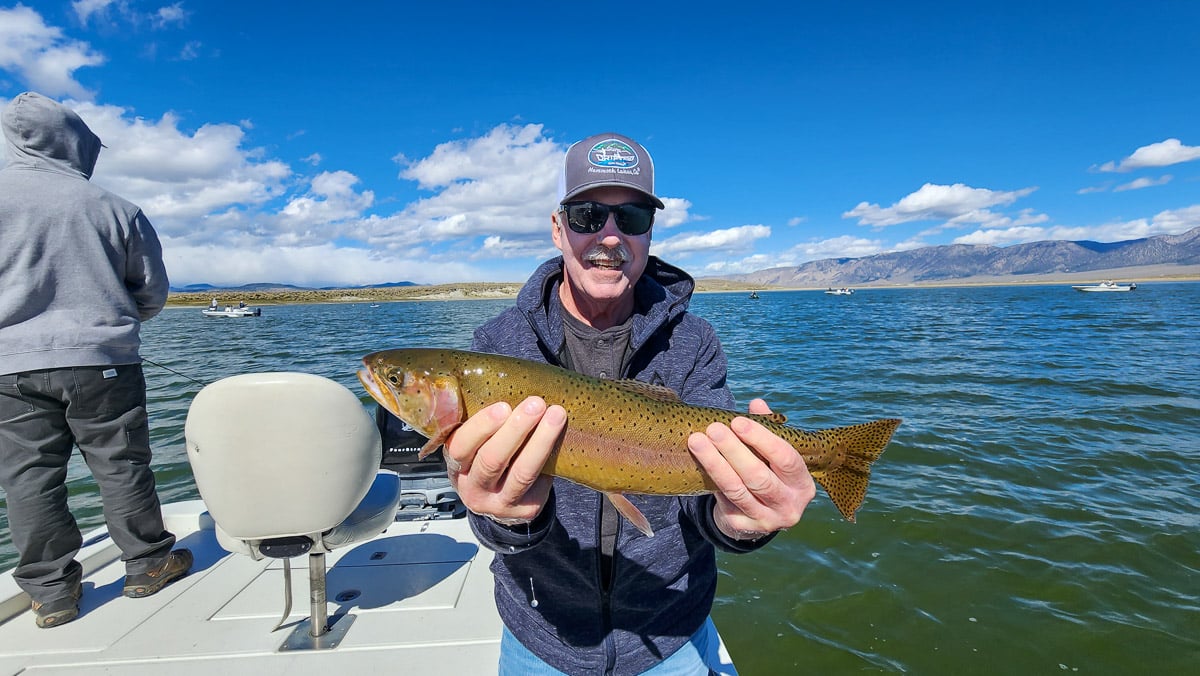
[{"x": 1038, "y": 511}]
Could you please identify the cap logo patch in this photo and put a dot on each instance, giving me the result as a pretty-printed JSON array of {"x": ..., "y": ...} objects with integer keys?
[{"x": 613, "y": 154}]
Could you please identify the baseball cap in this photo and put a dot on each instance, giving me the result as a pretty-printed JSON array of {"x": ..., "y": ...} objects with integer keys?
[{"x": 607, "y": 160}]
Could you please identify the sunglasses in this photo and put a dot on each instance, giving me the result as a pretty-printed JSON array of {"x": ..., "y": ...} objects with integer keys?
[{"x": 588, "y": 218}]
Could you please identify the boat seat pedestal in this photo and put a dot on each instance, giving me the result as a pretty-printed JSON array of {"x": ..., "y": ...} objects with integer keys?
[{"x": 287, "y": 463}]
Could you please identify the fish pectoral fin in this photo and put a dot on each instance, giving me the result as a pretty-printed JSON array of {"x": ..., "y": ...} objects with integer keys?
[
  {"x": 656, "y": 392},
  {"x": 778, "y": 418},
  {"x": 430, "y": 446},
  {"x": 435, "y": 442},
  {"x": 631, "y": 513}
]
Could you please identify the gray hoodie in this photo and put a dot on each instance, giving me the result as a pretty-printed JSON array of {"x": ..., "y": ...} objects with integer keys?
[{"x": 80, "y": 268}]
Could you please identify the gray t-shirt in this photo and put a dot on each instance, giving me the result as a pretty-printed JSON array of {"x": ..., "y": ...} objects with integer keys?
[{"x": 600, "y": 354}]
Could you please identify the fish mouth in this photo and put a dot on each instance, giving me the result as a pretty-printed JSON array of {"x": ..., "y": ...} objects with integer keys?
[{"x": 371, "y": 385}]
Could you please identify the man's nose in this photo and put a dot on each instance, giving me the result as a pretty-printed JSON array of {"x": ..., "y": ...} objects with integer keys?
[{"x": 610, "y": 231}]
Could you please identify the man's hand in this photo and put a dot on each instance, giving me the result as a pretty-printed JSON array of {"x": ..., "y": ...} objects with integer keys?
[
  {"x": 763, "y": 483},
  {"x": 495, "y": 459}
]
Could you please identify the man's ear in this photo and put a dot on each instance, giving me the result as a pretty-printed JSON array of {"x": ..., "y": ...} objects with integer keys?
[{"x": 556, "y": 229}]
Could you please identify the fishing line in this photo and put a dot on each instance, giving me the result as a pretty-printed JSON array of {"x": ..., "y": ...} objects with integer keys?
[{"x": 151, "y": 361}]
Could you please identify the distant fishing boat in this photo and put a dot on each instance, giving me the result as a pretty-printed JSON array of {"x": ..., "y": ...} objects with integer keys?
[
  {"x": 844, "y": 291},
  {"x": 753, "y": 295},
  {"x": 1106, "y": 285},
  {"x": 213, "y": 310}
]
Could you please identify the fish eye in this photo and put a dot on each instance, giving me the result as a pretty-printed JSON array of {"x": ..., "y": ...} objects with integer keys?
[{"x": 393, "y": 379}]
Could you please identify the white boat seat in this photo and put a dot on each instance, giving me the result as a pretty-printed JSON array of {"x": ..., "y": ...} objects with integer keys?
[{"x": 288, "y": 463}]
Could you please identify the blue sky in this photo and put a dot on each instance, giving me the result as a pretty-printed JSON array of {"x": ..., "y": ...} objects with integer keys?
[{"x": 322, "y": 143}]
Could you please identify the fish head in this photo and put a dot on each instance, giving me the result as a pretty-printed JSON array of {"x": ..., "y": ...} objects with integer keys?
[{"x": 422, "y": 395}]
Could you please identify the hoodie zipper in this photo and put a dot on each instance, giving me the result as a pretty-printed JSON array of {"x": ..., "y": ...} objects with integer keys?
[{"x": 610, "y": 644}]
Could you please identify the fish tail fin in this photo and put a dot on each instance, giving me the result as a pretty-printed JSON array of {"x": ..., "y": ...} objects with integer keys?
[{"x": 862, "y": 445}]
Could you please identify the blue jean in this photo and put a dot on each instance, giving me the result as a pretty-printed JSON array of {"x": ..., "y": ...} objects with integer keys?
[
  {"x": 102, "y": 410},
  {"x": 702, "y": 654}
]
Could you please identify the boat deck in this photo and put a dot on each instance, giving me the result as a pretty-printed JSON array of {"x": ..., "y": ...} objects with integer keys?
[{"x": 417, "y": 598}]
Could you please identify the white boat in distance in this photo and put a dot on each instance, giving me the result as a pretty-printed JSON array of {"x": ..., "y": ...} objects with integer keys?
[
  {"x": 1106, "y": 285},
  {"x": 840, "y": 292},
  {"x": 230, "y": 311}
]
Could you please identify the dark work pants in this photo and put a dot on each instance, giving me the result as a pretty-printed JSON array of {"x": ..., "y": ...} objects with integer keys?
[{"x": 102, "y": 410}]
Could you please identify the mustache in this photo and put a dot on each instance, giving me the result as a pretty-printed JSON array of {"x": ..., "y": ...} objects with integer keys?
[{"x": 604, "y": 254}]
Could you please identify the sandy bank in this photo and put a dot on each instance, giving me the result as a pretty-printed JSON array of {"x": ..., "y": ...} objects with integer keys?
[{"x": 493, "y": 290}]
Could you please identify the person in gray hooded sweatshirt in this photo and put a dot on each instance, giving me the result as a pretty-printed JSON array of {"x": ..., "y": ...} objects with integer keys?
[{"x": 80, "y": 269}]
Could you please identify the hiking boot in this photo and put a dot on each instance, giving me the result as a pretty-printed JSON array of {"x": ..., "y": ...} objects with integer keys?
[
  {"x": 145, "y": 584},
  {"x": 58, "y": 611}
]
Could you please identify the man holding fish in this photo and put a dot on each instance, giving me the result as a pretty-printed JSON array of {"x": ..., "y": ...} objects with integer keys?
[
  {"x": 607, "y": 596},
  {"x": 648, "y": 436}
]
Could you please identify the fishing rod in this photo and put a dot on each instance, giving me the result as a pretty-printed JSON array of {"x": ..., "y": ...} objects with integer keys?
[{"x": 181, "y": 375}]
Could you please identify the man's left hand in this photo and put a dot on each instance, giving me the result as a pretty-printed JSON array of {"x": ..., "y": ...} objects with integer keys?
[{"x": 763, "y": 483}]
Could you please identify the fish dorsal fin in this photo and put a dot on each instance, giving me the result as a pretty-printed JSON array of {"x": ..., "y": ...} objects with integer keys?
[
  {"x": 769, "y": 417},
  {"x": 656, "y": 392}
]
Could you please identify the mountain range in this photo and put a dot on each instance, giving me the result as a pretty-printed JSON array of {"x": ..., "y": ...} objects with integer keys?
[{"x": 962, "y": 261}]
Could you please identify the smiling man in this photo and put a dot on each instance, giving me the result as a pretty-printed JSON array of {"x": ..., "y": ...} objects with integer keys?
[{"x": 580, "y": 589}]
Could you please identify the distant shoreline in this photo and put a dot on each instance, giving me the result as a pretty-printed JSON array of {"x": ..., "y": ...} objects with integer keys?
[{"x": 508, "y": 290}]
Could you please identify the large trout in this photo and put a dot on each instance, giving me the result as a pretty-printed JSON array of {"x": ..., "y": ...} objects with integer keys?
[{"x": 622, "y": 436}]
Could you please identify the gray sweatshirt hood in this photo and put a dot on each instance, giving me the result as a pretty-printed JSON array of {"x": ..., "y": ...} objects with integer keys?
[{"x": 42, "y": 133}]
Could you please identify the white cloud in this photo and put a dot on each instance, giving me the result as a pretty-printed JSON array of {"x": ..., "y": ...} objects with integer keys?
[
  {"x": 504, "y": 182},
  {"x": 1169, "y": 222},
  {"x": 1139, "y": 183},
  {"x": 178, "y": 177},
  {"x": 85, "y": 9},
  {"x": 752, "y": 263},
  {"x": 113, "y": 11},
  {"x": 1002, "y": 236},
  {"x": 845, "y": 246},
  {"x": 496, "y": 246},
  {"x": 835, "y": 247},
  {"x": 675, "y": 213},
  {"x": 956, "y": 203},
  {"x": 313, "y": 265},
  {"x": 40, "y": 56},
  {"x": 1162, "y": 154},
  {"x": 190, "y": 50},
  {"x": 171, "y": 14},
  {"x": 729, "y": 240},
  {"x": 331, "y": 200},
  {"x": 506, "y": 151}
]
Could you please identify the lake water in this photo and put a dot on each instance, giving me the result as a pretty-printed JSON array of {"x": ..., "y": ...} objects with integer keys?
[{"x": 1037, "y": 512}]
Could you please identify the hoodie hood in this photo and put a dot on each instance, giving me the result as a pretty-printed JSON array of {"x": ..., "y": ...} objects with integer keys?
[
  {"x": 661, "y": 296},
  {"x": 42, "y": 133}
]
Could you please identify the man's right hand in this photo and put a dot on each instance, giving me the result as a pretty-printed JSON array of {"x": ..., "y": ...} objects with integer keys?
[{"x": 495, "y": 459}]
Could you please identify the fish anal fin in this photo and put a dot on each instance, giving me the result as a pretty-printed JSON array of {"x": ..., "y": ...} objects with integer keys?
[
  {"x": 631, "y": 513},
  {"x": 656, "y": 392}
]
